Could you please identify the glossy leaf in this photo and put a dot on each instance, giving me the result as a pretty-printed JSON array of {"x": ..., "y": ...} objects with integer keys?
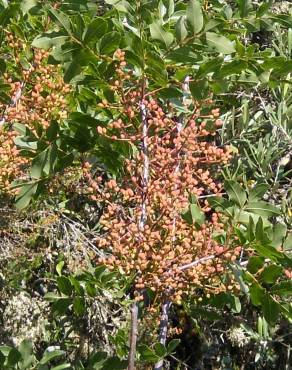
[
  {"x": 160, "y": 350},
  {"x": 255, "y": 263},
  {"x": 158, "y": 33},
  {"x": 270, "y": 309},
  {"x": 262, "y": 208},
  {"x": 271, "y": 273},
  {"x": 109, "y": 42},
  {"x": 79, "y": 305},
  {"x": 64, "y": 285},
  {"x": 13, "y": 357},
  {"x": 147, "y": 354},
  {"x": 27, "y": 191},
  {"x": 199, "y": 89},
  {"x": 220, "y": 43},
  {"x": 282, "y": 289},
  {"x": 256, "y": 294},
  {"x": 195, "y": 16},
  {"x": 96, "y": 29},
  {"x": 180, "y": 29},
  {"x": 51, "y": 355},
  {"x": 172, "y": 345},
  {"x": 235, "y": 192}
]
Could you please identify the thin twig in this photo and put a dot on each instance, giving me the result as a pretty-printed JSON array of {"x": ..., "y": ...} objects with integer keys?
[
  {"x": 166, "y": 305},
  {"x": 197, "y": 262},
  {"x": 163, "y": 331},
  {"x": 142, "y": 222},
  {"x": 133, "y": 336}
]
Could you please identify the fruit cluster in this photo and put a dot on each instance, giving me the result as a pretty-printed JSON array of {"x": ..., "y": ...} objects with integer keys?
[
  {"x": 163, "y": 251},
  {"x": 38, "y": 96}
]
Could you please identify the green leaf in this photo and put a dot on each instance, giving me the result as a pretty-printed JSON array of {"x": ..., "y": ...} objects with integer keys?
[
  {"x": 268, "y": 252},
  {"x": 260, "y": 234},
  {"x": 204, "y": 313},
  {"x": 199, "y": 89},
  {"x": 244, "y": 7},
  {"x": 250, "y": 230},
  {"x": 79, "y": 305},
  {"x": 96, "y": 29},
  {"x": 172, "y": 345},
  {"x": 49, "y": 39},
  {"x": 61, "y": 305},
  {"x": 262, "y": 208},
  {"x": 180, "y": 29},
  {"x": 2, "y": 360},
  {"x": 257, "y": 192},
  {"x": 13, "y": 357},
  {"x": 61, "y": 367},
  {"x": 77, "y": 286},
  {"x": 255, "y": 263},
  {"x": 59, "y": 267},
  {"x": 64, "y": 285},
  {"x": 219, "y": 203},
  {"x": 244, "y": 218},
  {"x": 39, "y": 163},
  {"x": 288, "y": 243},
  {"x": 270, "y": 309},
  {"x": 283, "y": 289},
  {"x": 52, "y": 297},
  {"x": 160, "y": 350},
  {"x": 233, "y": 67},
  {"x": 27, "y": 191},
  {"x": 271, "y": 274},
  {"x": 52, "y": 131},
  {"x": 50, "y": 355},
  {"x": 91, "y": 290},
  {"x": 195, "y": 16},
  {"x": 109, "y": 42},
  {"x": 114, "y": 363},
  {"x": 157, "y": 33},
  {"x": 256, "y": 294},
  {"x": 209, "y": 66},
  {"x": 97, "y": 357},
  {"x": 183, "y": 55},
  {"x": 26, "y": 350},
  {"x": 99, "y": 271},
  {"x": 62, "y": 19},
  {"x": 8, "y": 13},
  {"x": 234, "y": 303},
  {"x": 26, "y": 5},
  {"x": 220, "y": 43},
  {"x": 170, "y": 93},
  {"x": 147, "y": 354},
  {"x": 235, "y": 192},
  {"x": 197, "y": 214},
  {"x": 279, "y": 233},
  {"x": 5, "y": 350},
  {"x": 263, "y": 8}
]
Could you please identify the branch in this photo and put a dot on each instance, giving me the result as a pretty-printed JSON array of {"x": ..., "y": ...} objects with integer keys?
[
  {"x": 133, "y": 336},
  {"x": 163, "y": 331},
  {"x": 165, "y": 307},
  {"x": 145, "y": 178},
  {"x": 197, "y": 262},
  {"x": 145, "y": 175}
]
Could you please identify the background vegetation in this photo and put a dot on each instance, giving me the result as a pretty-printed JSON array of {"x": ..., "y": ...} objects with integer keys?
[{"x": 79, "y": 81}]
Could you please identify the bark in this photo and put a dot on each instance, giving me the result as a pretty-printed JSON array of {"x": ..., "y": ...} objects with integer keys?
[
  {"x": 133, "y": 336},
  {"x": 142, "y": 222},
  {"x": 163, "y": 330}
]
